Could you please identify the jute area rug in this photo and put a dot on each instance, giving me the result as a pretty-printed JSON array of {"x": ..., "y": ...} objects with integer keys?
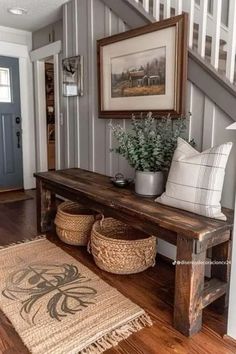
[{"x": 58, "y": 306}]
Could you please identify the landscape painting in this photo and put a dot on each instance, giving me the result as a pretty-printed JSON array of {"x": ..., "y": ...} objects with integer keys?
[
  {"x": 144, "y": 70},
  {"x": 139, "y": 74}
]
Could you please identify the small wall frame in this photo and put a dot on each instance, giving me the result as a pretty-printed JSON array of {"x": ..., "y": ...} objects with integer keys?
[{"x": 73, "y": 80}]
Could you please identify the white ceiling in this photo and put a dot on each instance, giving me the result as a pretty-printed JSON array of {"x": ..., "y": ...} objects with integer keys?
[{"x": 40, "y": 13}]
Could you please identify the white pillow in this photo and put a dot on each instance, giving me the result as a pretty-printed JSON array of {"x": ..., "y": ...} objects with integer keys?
[{"x": 196, "y": 179}]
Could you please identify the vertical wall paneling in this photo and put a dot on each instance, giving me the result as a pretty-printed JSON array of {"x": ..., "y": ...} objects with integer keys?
[
  {"x": 57, "y": 112},
  {"x": 208, "y": 124},
  {"x": 197, "y": 116},
  {"x": 189, "y": 107},
  {"x": 108, "y": 144},
  {"x": 65, "y": 100},
  {"x": 84, "y": 124},
  {"x": 91, "y": 83},
  {"x": 88, "y": 138},
  {"x": 71, "y": 101},
  {"x": 123, "y": 165},
  {"x": 98, "y": 16},
  {"x": 61, "y": 115},
  {"x": 76, "y": 99},
  {"x": 117, "y": 26}
]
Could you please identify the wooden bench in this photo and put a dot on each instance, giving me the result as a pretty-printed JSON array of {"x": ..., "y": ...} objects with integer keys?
[{"x": 192, "y": 234}]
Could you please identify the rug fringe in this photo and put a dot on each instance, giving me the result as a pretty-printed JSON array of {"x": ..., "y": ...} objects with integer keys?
[
  {"x": 40, "y": 237},
  {"x": 114, "y": 337}
]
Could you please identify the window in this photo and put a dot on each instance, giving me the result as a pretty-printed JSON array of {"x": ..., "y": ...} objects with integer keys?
[{"x": 5, "y": 85}]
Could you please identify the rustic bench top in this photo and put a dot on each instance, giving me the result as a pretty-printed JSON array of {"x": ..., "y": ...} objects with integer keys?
[{"x": 98, "y": 188}]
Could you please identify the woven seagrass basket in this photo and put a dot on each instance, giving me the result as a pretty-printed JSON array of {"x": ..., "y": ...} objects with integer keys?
[
  {"x": 74, "y": 223},
  {"x": 121, "y": 249}
]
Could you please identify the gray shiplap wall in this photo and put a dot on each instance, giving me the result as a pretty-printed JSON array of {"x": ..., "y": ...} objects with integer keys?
[
  {"x": 47, "y": 34},
  {"x": 88, "y": 139}
]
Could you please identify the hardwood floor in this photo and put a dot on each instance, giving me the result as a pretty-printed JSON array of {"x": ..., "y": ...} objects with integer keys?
[{"x": 152, "y": 290}]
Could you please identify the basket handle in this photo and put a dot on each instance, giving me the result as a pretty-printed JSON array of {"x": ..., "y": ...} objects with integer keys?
[
  {"x": 89, "y": 246},
  {"x": 102, "y": 219},
  {"x": 98, "y": 216}
]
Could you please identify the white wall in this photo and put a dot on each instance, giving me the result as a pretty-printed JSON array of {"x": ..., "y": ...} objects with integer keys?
[{"x": 17, "y": 44}]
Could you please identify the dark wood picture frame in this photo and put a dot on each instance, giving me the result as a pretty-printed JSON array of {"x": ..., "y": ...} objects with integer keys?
[{"x": 181, "y": 24}]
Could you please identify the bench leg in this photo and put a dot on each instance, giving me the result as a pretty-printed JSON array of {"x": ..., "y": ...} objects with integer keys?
[
  {"x": 189, "y": 284},
  {"x": 46, "y": 207},
  {"x": 221, "y": 253}
]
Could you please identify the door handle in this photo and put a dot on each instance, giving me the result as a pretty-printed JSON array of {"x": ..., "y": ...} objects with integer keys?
[
  {"x": 17, "y": 120},
  {"x": 18, "y": 139}
]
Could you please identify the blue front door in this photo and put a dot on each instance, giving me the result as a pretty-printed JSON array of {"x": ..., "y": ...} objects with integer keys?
[{"x": 11, "y": 170}]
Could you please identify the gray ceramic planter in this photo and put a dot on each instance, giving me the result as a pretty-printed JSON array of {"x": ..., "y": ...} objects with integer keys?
[{"x": 149, "y": 183}]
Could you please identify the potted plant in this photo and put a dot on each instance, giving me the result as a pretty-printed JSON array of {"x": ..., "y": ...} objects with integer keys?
[{"x": 148, "y": 147}]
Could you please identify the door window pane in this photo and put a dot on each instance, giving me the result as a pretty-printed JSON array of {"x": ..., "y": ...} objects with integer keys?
[{"x": 5, "y": 85}]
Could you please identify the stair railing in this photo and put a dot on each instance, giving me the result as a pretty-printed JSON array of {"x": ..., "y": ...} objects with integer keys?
[{"x": 206, "y": 29}]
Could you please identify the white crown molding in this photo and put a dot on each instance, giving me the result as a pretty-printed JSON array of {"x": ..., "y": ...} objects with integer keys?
[{"x": 15, "y": 31}]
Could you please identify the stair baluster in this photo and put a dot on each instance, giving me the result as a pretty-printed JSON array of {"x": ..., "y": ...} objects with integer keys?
[
  {"x": 156, "y": 9},
  {"x": 215, "y": 46},
  {"x": 231, "y": 45}
]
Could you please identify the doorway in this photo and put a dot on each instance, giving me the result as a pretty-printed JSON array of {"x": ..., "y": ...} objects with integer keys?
[
  {"x": 48, "y": 138},
  {"x": 11, "y": 162},
  {"x": 50, "y": 113}
]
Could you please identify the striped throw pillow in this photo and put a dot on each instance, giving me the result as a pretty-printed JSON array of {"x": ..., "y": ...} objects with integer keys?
[{"x": 195, "y": 180}]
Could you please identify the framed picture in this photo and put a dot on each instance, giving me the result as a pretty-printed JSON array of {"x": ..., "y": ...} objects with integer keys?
[
  {"x": 73, "y": 76},
  {"x": 144, "y": 70}
]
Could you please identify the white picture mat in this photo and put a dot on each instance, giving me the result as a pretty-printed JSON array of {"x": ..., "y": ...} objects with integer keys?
[{"x": 163, "y": 38}]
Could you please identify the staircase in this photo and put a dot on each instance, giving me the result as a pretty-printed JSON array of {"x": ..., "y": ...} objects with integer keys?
[{"x": 212, "y": 29}]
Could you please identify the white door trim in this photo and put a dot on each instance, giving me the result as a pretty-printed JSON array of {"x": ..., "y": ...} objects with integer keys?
[
  {"x": 46, "y": 51},
  {"x": 38, "y": 56},
  {"x": 21, "y": 52}
]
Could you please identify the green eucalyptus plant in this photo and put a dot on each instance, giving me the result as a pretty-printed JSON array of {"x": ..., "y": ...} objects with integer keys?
[{"x": 150, "y": 144}]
